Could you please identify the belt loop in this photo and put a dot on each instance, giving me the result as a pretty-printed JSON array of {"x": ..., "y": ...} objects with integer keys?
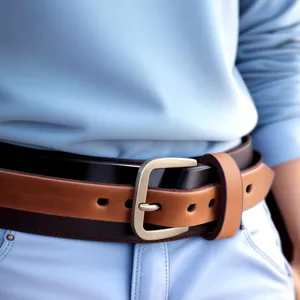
[{"x": 231, "y": 195}]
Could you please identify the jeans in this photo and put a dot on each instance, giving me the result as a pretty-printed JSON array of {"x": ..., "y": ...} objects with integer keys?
[{"x": 249, "y": 266}]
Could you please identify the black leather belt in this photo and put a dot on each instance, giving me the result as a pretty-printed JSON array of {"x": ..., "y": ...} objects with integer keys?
[{"x": 115, "y": 171}]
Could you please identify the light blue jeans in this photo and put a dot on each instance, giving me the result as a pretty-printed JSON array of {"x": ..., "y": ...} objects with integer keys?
[{"x": 249, "y": 266}]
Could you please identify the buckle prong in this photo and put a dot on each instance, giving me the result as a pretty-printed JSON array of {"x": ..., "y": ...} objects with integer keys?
[
  {"x": 140, "y": 206},
  {"x": 148, "y": 207}
]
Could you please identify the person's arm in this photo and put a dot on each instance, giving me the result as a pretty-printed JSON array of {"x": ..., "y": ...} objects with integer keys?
[
  {"x": 269, "y": 61},
  {"x": 286, "y": 190}
]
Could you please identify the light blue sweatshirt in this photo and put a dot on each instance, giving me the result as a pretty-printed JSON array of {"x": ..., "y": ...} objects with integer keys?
[{"x": 149, "y": 78}]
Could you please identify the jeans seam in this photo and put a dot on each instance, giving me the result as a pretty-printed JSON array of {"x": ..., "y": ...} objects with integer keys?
[
  {"x": 261, "y": 253},
  {"x": 271, "y": 223},
  {"x": 7, "y": 246},
  {"x": 269, "y": 216},
  {"x": 137, "y": 273},
  {"x": 166, "y": 272},
  {"x": 141, "y": 270}
]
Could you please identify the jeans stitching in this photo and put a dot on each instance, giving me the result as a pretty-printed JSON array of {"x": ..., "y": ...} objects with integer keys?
[
  {"x": 269, "y": 216},
  {"x": 262, "y": 253},
  {"x": 166, "y": 272},
  {"x": 140, "y": 271},
  {"x": 137, "y": 272},
  {"x": 7, "y": 246}
]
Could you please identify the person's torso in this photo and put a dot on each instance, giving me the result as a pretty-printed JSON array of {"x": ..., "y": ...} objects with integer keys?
[{"x": 132, "y": 79}]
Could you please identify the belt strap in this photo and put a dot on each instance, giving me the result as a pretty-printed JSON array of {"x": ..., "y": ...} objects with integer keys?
[
  {"x": 29, "y": 203},
  {"x": 112, "y": 171},
  {"x": 231, "y": 195}
]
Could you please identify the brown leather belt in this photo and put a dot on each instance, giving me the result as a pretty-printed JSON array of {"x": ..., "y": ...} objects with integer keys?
[{"x": 157, "y": 200}]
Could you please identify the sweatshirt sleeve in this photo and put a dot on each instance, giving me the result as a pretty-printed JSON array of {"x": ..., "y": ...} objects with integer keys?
[{"x": 269, "y": 61}]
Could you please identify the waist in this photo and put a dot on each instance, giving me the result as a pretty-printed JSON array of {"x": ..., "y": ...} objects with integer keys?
[{"x": 99, "y": 198}]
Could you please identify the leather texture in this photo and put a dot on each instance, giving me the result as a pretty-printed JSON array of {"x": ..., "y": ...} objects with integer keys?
[
  {"x": 23, "y": 195},
  {"x": 116, "y": 171},
  {"x": 230, "y": 198}
]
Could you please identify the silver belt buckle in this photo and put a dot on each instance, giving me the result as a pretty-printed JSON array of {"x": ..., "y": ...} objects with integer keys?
[{"x": 139, "y": 206}]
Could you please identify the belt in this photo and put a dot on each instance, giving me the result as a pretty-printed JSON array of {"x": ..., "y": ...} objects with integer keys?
[{"x": 59, "y": 194}]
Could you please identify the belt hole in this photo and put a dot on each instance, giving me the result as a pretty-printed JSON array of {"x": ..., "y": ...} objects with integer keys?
[
  {"x": 211, "y": 203},
  {"x": 102, "y": 201},
  {"x": 191, "y": 207},
  {"x": 128, "y": 203},
  {"x": 249, "y": 188}
]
